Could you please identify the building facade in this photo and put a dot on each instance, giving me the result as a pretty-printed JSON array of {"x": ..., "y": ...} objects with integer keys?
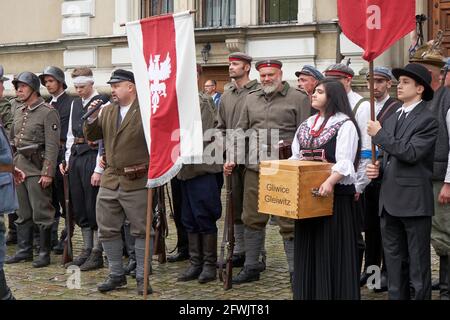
[{"x": 75, "y": 33}]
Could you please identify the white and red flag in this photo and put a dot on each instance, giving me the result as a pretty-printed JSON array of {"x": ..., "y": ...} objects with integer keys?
[
  {"x": 375, "y": 25},
  {"x": 164, "y": 64}
]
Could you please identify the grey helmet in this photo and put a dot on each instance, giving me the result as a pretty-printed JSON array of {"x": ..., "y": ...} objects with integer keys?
[
  {"x": 28, "y": 78},
  {"x": 56, "y": 73},
  {"x": 2, "y": 78}
]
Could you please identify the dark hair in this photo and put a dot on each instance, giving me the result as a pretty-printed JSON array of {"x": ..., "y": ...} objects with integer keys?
[{"x": 337, "y": 101}]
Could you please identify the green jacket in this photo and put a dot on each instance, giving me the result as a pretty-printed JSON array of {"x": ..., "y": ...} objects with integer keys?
[{"x": 6, "y": 114}]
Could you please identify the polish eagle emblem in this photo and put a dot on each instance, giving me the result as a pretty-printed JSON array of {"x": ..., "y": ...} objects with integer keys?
[{"x": 158, "y": 73}]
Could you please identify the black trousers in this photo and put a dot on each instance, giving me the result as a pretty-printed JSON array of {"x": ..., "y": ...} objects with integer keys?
[
  {"x": 406, "y": 243},
  {"x": 82, "y": 194},
  {"x": 182, "y": 238},
  {"x": 374, "y": 249},
  {"x": 58, "y": 188}
]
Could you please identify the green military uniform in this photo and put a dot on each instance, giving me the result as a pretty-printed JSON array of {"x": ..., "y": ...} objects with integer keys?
[
  {"x": 284, "y": 111},
  {"x": 230, "y": 108},
  {"x": 6, "y": 115},
  {"x": 36, "y": 125}
]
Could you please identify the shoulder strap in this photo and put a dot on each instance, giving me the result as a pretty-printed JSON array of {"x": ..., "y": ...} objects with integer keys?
[
  {"x": 355, "y": 109},
  {"x": 385, "y": 111}
]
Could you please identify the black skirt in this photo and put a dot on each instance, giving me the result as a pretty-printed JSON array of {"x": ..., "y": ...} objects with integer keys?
[{"x": 326, "y": 255}]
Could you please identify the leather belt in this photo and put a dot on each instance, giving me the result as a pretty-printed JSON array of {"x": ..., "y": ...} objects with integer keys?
[
  {"x": 6, "y": 168},
  {"x": 131, "y": 170},
  {"x": 79, "y": 140}
]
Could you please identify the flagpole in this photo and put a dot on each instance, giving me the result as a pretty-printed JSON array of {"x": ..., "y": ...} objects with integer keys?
[
  {"x": 147, "y": 238},
  {"x": 372, "y": 104}
]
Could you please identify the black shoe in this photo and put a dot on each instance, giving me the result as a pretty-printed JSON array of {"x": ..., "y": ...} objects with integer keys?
[
  {"x": 383, "y": 283},
  {"x": 5, "y": 292},
  {"x": 435, "y": 285},
  {"x": 112, "y": 283},
  {"x": 179, "y": 256},
  {"x": 58, "y": 249},
  {"x": 43, "y": 259},
  {"x": 363, "y": 279},
  {"x": 95, "y": 261},
  {"x": 80, "y": 259},
  {"x": 237, "y": 261},
  {"x": 19, "y": 258},
  {"x": 131, "y": 266},
  {"x": 140, "y": 287},
  {"x": 246, "y": 275},
  {"x": 190, "y": 274}
]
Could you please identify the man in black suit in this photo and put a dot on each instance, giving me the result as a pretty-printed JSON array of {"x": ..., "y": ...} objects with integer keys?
[{"x": 406, "y": 198}]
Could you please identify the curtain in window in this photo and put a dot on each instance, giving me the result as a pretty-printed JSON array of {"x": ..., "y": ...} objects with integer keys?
[{"x": 220, "y": 13}]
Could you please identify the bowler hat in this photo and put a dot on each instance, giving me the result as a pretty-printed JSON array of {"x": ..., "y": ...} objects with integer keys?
[{"x": 420, "y": 74}]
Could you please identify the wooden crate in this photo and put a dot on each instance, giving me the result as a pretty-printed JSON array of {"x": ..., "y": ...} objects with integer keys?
[{"x": 285, "y": 189}]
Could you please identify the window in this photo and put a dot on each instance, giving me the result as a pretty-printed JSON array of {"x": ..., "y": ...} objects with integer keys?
[
  {"x": 218, "y": 13},
  {"x": 279, "y": 11},
  {"x": 156, "y": 7}
]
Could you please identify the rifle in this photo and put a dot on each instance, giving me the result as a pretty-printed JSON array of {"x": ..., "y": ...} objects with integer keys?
[
  {"x": 67, "y": 253},
  {"x": 160, "y": 226},
  {"x": 228, "y": 239}
]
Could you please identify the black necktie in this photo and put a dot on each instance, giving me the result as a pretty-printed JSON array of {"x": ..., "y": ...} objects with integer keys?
[{"x": 400, "y": 121}]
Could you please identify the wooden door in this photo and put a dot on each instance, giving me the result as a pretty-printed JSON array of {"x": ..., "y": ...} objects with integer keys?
[
  {"x": 218, "y": 73},
  {"x": 439, "y": 19}
]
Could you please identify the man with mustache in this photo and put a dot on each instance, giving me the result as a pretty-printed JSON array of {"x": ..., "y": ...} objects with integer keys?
[{"x": 273, "y": 108}]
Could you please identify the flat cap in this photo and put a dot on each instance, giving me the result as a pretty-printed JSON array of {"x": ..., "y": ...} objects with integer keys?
[
  {"x": 268, "y": 63},
  {"x": 382, "y": 72},
  {"x": 310, "y": 71},
  {"x": 120, "y": 75},
  {"x": 339, "y": 70},
  {"x": 2, "y": 78},
  {"x": 240, "y": 56}
]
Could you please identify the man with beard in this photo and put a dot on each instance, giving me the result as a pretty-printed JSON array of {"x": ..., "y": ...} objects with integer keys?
[
  {"x": 273, "y": 109},
  {"x": 230, "y": 109},
  {"x": 54, "y": 80}
]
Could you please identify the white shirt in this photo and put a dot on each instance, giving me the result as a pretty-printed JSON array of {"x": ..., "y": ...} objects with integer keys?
[
  {"x": 55, "y": 99},
  {"x": 362, "y": 118},
  {"x": 346, "y": 146},
  {"x": 71, "y": 139},
  {"x": 124, "y": 110},
  {"x": 407, "y": 109}
]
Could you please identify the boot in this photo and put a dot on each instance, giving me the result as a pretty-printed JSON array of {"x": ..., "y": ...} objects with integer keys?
[
  {"x": 131, "y": 266},
  {"x": 195, "y": 258},
  {"x": 95, "y": 261},
  {"x": 237, "y": 261},
  {"x": 59, "y": 247},
  {"x": 80, "y": 259},
  {"x": 209, "y": 246},
  {"x": 36, "y": 239},
  {"x": 112, "y": 283},
  {"x": 11, "y": 238},
  {"x": 45, "y": 234},
  {"x": 383, "y": 282},
  {"x": 54, "y": 233},
  {"x": 254, "y": 243},
  {"x": 443, "y": 278},
  {"x": 181, "y": 255},
  {"x": 116, "y": 278},
  {"x": 5, "y": 292},
  {"x": 140, "y": 287},
  {"x": 24, "y": 243}
]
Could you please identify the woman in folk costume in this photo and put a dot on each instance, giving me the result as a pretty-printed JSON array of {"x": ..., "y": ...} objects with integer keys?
[{"x": 326, "y": 256}]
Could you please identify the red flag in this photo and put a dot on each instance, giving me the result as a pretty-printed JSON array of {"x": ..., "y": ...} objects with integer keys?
[
  {"x": 163, "y": 56},
  {"x": 375, "y": 25}
]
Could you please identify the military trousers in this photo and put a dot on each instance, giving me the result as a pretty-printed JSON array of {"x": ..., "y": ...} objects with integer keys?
[
  {"x": 2, "y": 240},
  {"x": 440, "y": 227},
  {"x": 114, "y": 206},
  {"x": 250, "y": 215},
  {"x": 58, "y": 188},
  {"x": 35, "y": 203},
  {"x": 237, "y": 189},
  {"x": 83, "y": 195}
]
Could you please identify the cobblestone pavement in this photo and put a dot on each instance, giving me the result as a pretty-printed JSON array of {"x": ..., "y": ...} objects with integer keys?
[{"x": 50, "y": 283}]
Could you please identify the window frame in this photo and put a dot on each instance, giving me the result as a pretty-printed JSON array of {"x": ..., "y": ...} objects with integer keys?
[{"x": 264, "y": 16}]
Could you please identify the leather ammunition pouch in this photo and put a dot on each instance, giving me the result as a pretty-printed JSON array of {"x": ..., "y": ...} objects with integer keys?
[
  {"x": 34, "y": 153},
  {"x": 132, "y": 172}
]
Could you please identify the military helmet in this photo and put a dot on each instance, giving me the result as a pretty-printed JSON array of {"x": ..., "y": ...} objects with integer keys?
[
  {"x": 56, "y": 73},
  {"x": 28, "y": 78}
]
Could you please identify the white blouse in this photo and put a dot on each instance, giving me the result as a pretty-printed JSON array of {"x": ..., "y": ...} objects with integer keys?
[{"x": 346, "y": 146}]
